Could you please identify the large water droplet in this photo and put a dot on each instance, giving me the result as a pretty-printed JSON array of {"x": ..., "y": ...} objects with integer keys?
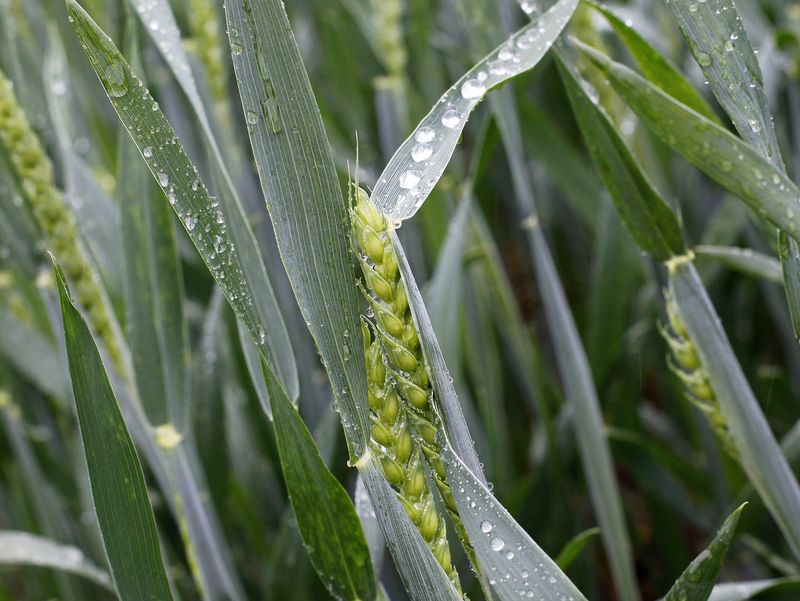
[
  {"x": 703, "y": 59},
  {"x": 163, "y": 180},
  {"x": 451, "y": 118},
  {"x": 147, "y": 151},
  {"x": 497, "y": 544},
  {"x": 190, "y": 221},
  {"x": 421, "y": 152},
  {"x": 472, "y": 88},
  {"x": 410, "y": 179},
  {"x": 486, "y": 526},
  {"x": 116, "y": 80},
  {"x": 424, "y": 135}
]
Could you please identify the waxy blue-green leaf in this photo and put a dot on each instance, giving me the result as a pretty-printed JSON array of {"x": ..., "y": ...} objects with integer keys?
[
  {"x": 218, "y": 230},
  {"x": 744, "y": 260},
  {"x": 325, "y": 514},
  {"x": 760, "y": 455},
  {"x": 309, "y": 212},
  {"x": 649, "y": 219},
  {"x": 311, "y": 223},
  {"x": 119, "y": 491},
  {"x": 27, "y": 549},
  {"x": 725, "y": 158},
  {"x": 722, "y": 48},
  {"x": 697, "y": 581},
  {"x": 417, "y": 165},
  {"x": 776, "y": 589},
  {"x": 515, "y": 565}
]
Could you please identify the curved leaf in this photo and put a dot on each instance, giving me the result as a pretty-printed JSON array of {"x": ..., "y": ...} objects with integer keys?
[
  {"x": 725, "y": 158},
  {"x": 420, "y": 161},
  {"x": 26, "y": 549}
]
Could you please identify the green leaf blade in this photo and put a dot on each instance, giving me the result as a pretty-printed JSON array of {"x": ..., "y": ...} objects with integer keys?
[{"x": 117, "y": 481}]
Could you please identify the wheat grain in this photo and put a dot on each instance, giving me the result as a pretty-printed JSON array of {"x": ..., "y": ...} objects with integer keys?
[
  {"x": 688, "y": 366},
  {"x": 396, "y": 331}
]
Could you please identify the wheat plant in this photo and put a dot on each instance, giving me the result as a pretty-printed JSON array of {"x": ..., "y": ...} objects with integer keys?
[{"x": 371, "y": 300}]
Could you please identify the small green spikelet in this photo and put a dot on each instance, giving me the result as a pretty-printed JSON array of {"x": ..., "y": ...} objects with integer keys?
[
  {"x": 36, "y": 177},
  {"x": 685, "y": 363},
  {"x": 397, "y": 371}
]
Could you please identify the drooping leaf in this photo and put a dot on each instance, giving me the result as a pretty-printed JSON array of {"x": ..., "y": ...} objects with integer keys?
[
  {"x": 657, "y": 69},
  {"x": 725, "y": 158},
  {"x": 26, "y": 549},
  {"x": 118, "y": 488},
  {"x": 744, "y": 260},
  {"x": 649, "y": 219}
]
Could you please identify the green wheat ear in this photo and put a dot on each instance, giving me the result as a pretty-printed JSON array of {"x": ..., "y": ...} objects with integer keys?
[
  {"x": 36, "y": 178},
  {"x": 396, "y": 366},
  {"x": 688, "y": 366}
]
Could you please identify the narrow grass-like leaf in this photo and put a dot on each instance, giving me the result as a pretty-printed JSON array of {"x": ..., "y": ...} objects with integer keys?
[
  {"x": 774, "y": 589},
  {"x": 655, "y": 67},
  {"x": 26, "y": 549},
  {"x": 515, "y": 565},
  {"x": 325, "y": 515},
  {"x": 721, "y": 155},
  {"x": 649, "y": 219},
  {"x": 744, "y": 260},
  {"x": 153, "y": 293},
  {"x": 118, "y": 487},
  {"x": 696, "y": 582},
  {"x": 574, "y": 547},
  {"x": 305, "y": 201},
  {"x": 217, "y": 230},
  {"x": 761, "y": 456},
  {"x": 420, "y": 161},
  {"x": 720, "y": 45}
]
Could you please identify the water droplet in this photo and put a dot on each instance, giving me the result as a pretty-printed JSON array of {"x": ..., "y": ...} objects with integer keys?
[
  {"x": 425, "y": 135},
  {"x": 703, "y": 59},
  {"x": 692, "y": 8},
  {"x": 421, "y": 152},
  {"x": 219, "y": 244},
  {"x": 190, "y": 221},
  {"x": 410, "y": 179},
  {"x": 754, "y": 125},
  {"x": 728, "y": 46},
  {"x": 163, "y": 180},
  {"x": 252, "y": 118},
  {"x": 451, "y": 118},
  {"x": 486, "y": 527},
  {"x": 116, "y": 80},
  {"x": 528, "y": 6},
  {"x": 497, "y": 544},
  {"x": 472, "y": 88},
  {"x": 147, "y": 151}
]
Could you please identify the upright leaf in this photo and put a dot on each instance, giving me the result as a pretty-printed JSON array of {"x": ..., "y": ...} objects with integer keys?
[
  {"x": 325, "y": 514},
  {"x": 697, "y": 581},
  {"x": 119, "y": 491}
]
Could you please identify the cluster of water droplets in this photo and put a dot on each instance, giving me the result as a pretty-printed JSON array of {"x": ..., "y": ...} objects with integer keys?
[
  {"x": 419, "y": 163},
  {"x": 511, "y": 560}
]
